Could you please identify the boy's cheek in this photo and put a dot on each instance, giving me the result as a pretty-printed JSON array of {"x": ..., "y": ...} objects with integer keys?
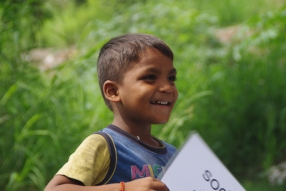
[{"x": 176, "y": 96}]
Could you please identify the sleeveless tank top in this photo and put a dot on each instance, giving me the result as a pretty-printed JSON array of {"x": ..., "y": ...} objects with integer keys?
[{"x": 132, "y": 159}]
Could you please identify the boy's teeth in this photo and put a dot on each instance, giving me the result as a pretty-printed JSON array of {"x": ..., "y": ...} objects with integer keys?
[{"x": 160, "y": 102}]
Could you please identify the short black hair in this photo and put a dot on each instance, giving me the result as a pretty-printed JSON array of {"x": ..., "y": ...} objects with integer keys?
[{"x": 119, "y": 54}]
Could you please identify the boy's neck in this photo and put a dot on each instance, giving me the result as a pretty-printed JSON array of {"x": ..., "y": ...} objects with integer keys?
[{"x": 141, "y": 132}]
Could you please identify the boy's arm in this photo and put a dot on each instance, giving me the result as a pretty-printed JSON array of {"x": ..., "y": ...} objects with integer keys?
[{"x": 62, "y": 183}]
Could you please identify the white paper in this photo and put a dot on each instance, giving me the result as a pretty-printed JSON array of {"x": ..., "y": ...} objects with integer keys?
[{"x": 196, "y": 168}]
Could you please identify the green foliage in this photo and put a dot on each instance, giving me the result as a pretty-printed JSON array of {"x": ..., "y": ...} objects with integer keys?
[
  {"x": 232, "y": 94},
  {"x": 69, "y": 27},
  {"x": 248, "y": 103},
  {"x": 262, "y": 186},
  {"x": 41, "y": 113},
  {"x": 232, "y": 12}
]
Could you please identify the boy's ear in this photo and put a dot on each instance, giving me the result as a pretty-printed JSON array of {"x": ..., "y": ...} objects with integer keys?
[{"x": 110, "y": 90}]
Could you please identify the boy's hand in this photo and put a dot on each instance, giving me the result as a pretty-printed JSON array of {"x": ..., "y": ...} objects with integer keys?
[{"x": 146, "y": 184}]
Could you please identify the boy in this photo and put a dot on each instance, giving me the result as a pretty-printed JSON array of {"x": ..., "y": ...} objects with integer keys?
[{"x": 137, "y": 81}]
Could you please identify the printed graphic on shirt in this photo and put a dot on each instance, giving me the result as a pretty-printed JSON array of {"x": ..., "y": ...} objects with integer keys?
[{"x": 145, "y": 171}]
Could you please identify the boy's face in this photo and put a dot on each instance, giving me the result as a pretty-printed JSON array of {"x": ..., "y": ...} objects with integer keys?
[{"x": 148, "y": 92}]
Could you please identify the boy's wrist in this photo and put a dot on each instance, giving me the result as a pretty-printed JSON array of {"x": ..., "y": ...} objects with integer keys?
[{"x": 122, "y": 186}]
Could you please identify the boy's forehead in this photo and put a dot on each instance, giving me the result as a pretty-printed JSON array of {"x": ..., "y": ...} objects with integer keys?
[
  {"x": 151, "y": 53},
  {"x": 148, "y": 51},
  {"x": 152, "y": 68},
  {"x": 152, "y": 57}
]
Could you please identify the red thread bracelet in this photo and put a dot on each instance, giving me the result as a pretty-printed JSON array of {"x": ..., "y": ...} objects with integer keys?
[{"x": 122, "y": 186}]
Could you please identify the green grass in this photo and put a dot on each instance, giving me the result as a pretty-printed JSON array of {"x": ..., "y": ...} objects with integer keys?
[
  {"x": 262, "y": 186},
  {"x": 230, "y": 93}
]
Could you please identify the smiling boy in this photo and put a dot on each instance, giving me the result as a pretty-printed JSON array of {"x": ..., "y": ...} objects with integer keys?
[{"x": 137, "y": 80}]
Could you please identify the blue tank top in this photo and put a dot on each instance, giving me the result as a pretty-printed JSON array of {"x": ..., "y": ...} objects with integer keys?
[{"x": 134, "y": 159}]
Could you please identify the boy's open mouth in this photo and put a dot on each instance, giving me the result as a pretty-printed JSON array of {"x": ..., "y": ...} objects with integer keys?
[{"x": 163, "y": 103}]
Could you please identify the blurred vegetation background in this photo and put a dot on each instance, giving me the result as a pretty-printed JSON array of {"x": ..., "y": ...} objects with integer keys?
[{"x": 231, "y": 62}]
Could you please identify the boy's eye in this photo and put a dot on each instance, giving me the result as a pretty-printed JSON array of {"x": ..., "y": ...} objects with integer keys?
[
  {"x": 150, "y": 77},
  {"x": 172, "y": 78}
]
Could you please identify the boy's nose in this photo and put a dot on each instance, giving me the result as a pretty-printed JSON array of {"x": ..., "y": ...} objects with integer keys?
[{"x": 166, "y": 87}]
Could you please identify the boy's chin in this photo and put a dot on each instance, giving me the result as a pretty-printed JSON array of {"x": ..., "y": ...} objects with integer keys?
[{"x": 161, "y": 122}]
